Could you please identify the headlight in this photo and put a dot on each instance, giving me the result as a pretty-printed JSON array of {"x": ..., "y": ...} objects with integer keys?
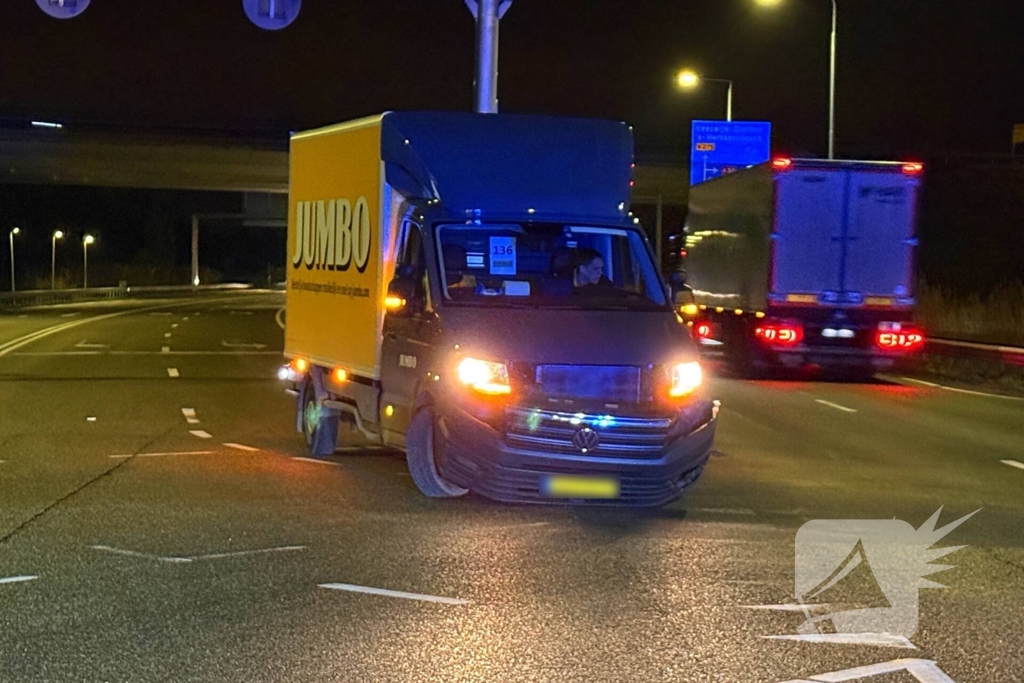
[
  {"x": 686, "y": 378},
  {"x": 484, "y": 376}
]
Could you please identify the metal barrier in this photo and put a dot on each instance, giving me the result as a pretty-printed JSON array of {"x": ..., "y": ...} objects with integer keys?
[
  {"x": 949, "y": 348},
  {"x": 65, "y": 296}
]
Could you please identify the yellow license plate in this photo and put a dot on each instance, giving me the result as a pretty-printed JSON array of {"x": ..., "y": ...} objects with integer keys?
[{"x": 562, "y": 486}]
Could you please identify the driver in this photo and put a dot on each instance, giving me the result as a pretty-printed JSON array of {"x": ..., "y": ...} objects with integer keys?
[{"x": 589, "y": 271}]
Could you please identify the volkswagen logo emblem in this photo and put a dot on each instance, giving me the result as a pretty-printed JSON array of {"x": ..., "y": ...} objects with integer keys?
[{"x": 585, "y": 439}]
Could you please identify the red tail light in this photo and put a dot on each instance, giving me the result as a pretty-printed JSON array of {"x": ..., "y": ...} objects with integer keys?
[
  {"x": 913, "y": 168},
  {"x": 703, "y": 330},
  {"x": 782, "y": 163},
  {"x": 780, "y": 333},
  {"x": 898, "y": 337}
]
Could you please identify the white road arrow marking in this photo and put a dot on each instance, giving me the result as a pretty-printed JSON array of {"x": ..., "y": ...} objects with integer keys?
[{"x": 924, "y": 670}]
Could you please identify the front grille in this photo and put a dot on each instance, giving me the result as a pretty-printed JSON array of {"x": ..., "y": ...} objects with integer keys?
[{"x": 618, "y": 437}]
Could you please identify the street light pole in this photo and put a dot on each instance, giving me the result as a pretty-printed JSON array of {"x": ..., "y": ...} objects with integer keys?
[
  {"x": 728, "y": 103},
  {"x": 488, "y": 14},
  {"x": 86, "y": 241},
  {"x": 10, "y": 237},
  {"x": 53, "y": 258},
  {"x": 832, "y": 86}
]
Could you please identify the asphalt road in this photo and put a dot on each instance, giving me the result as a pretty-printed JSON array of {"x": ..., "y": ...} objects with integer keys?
[{"x": 151, "y": 481}]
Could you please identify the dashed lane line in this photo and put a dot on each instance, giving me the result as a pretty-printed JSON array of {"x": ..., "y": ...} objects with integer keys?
[
  {"x": 317, "y": 462},
  {"x": 190, "y": 415},
  {"x": 835, "y": 405},
  {"x": 174, "y": 559},
  {"x": 1013, "y": 463},
  {"x": 201, "y": 434},
  {"x": 18, "y": 579},
  {"x": 393, "y": 594},
  {"x": 241, "y": 447},
  {"x": 173, "y": 372},
  {"x": 159, "y": 455}
]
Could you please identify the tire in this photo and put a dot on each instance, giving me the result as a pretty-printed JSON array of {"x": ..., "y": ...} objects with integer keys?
[
  {"x": 419, "y": 453},
  {"x": 318, "y": 426}
]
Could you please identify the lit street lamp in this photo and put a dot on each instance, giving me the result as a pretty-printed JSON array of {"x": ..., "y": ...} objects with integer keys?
[
  {"x": 86, "y": 241},
  {"x": 53, "y": 258},
  {"x": 10, "y": 236},
  {"x": 688, "y": 80},
  {"x": 832, "y": 76}
]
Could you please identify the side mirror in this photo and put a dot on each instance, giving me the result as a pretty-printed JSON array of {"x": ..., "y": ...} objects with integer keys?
[{"x": 401, "y": 291}]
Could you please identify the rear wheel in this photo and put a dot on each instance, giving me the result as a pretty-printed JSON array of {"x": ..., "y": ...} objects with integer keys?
[
  {"x": 419, "y": 453},
  {"x": 319, "y": 426}
]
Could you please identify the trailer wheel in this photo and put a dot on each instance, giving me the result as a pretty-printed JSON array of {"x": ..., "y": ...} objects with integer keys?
[
  {"x": 419, "y": 453},
  {"x": 320, "y": 427}
]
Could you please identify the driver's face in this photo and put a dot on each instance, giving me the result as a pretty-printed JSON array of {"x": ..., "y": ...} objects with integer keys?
[{"x": 590, "y": 273}]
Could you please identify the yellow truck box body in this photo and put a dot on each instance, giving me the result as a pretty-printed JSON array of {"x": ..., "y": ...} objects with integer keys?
[{"x": 337, "y": 229}]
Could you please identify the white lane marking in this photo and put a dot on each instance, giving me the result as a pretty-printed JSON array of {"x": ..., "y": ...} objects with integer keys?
[
  {"x": 957, "y": 390},
  {"x": 174, "y": 326},
  {"x": 1013, "y": 463},
  {"x": 241, "y": 447},
  {"x": 873, "y": 639},
  {"x": 165, "y": 349},
  {"x": 85, "y": 345},
  {"x": 241, "y": 345},
  {"x": 317, "y": 462},
  {"x": 201, "y": 434},
  {"x": 161, "y": 455},
  {"x": 788, "y": 608},
  {"x": 240, "y": 313},
  {"x": 18, "y": 579},
  {"x": 923, "y": 670},
  {"x": 90, "y": 418},
  {"x": 196, "y": 558},
  {"x": 835, "y": 405},
  {"x": 23, "y": 315},
  {"x": 726, "y": 511},
  {"x": 241, "y": 553},
  {"x": 69, "y": 315},
  {"x": 160, "y": 313},
  {"x": 279, "y": 317},
  {"x": 190, "y": 415},
  {"x": 135, "y": 553},
  {"x": 167, "y": 335},
  {"x": 933, "y": 385},
  {"x": 173, "y": 372},
  {"x": 185, "y": 318},
  {"x": 393, "y": 594}
]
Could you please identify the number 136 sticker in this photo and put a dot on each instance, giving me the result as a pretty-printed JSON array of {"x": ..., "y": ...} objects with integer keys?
[{"x": 503, "y": 255}]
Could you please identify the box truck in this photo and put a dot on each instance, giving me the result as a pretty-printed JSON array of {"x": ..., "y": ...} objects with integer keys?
[
  {"x": 473, "y": 289},
  {"x": 798, "y": 262}
]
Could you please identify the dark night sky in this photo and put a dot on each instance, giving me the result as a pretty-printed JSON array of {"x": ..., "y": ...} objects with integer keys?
[{"x": 916, "y": 77}]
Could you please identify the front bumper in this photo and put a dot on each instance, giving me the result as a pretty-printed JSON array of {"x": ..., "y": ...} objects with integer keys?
[{"x": 653, "y": 460}]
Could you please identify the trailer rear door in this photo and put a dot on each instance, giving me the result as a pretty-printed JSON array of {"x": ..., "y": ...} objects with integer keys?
[{"x": 808, "y": 231}]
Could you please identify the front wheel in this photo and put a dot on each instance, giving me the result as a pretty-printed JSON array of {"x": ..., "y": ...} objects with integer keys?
[
  {"x": 419, "y": 453},
  {"x": 319, "y": 426}
]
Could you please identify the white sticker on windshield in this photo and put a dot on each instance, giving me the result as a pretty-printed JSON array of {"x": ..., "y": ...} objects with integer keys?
[{"x": 503, "y": 255}]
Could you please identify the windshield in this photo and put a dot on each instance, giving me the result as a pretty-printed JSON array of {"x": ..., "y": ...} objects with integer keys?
[{"x": 548, "y": 265}]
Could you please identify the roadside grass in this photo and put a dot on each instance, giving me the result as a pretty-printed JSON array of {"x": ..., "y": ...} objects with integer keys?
[{"x": 997, "y": 318}]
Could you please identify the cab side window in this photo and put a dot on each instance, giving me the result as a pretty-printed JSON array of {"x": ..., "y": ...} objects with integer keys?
[{"x": 413, "y": 263}]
